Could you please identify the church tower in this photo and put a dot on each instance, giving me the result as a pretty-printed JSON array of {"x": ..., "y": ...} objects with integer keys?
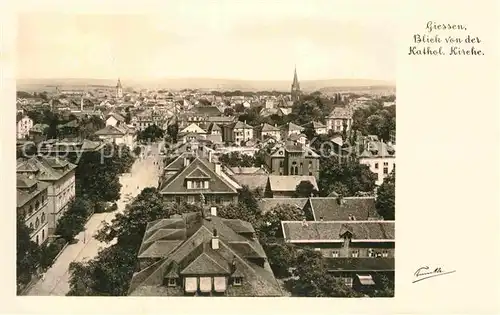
[
  {"x": 119, "y": 89},
  {"x": 295, "y": 87}
]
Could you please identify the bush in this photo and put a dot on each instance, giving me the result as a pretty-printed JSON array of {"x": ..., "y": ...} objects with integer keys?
[
  {"x": 49, "y": 252},
  {"x": 113, "y": 207}
]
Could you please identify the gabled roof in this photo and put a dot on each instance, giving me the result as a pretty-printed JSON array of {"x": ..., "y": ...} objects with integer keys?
[
  {"x": 268, "y": 128},
  {"x": 45, "y": 168},
  {"x": 341, "y": 113},
  {"x": 340, "y": 209},
  {"x": 28, "y": 188},
  {"x": 110, "y": 130},
  {"x": 253, "y": 181},
  {"x": 194, "y": 256},
  {"x": 198, "y": 173},
  {"x": 375, "y": 149},
  {"x": 239, "y": 125},
  {"x": 289, "y": 182},
  {"x": 176, "y": 184},
  {"x": 292, "y": 127},
  {"x": 116, "y": 116},
  {"x": 333, "y": 231}
]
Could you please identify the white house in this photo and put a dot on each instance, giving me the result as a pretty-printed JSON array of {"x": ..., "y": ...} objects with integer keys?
[
  {"x": 24, "y": 124},
  {"x": 338, "y": 119},
  {"x": 113, "y": 119},
  {"x": 380, "y": 157}
]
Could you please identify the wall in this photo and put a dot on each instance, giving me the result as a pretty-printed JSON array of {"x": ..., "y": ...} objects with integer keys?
[
  {"x": 40, "y": 214},
  {"x": 60, "y": 194},
  {"x": 372, "y": 163}
]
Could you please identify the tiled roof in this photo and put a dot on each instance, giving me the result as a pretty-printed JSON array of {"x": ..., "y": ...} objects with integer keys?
[
  {"x": 195, "y": 256},
  {"x": 267, "y": 128},
  {"x": 45, "y": 168},
  {"x": 378, "y": 149},
  {"x": 292, "y": 127},
  {"x": 253, "y": 181},
  {"x": 207, "y": 110},
  {"x": 289, "y": 183},
  {"x": 340, "y": 112},
  {"x": 116, "y": 116},
  {"x": 28, "y": 188},
  {"x": 307, "y": 151},
  {"x": 247, "y": 170},
  {"x": 239, "y": 226},
  {"x": 110, "y": 130},
  {"x": 332, "y": 231},
  {"x": 266, "y": 204},
  {"x": 239, "y": 125},
  {"x": 336, "y": 209},
  {"x": 213, "y": 126},
  {"x": 360, "y": 264},
  {"x": 176, "y": 184}
]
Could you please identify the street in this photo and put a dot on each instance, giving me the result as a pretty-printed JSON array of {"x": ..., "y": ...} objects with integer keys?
[{"x": 144, "y": 173}]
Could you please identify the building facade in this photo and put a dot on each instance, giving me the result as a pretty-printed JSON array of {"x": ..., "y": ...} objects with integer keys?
[
  {"x": 32, "y": 205},
  {"x": 293, "y": 160},
  {"x": 380, "y": 157},
  {"x": 23, "y": 126}
]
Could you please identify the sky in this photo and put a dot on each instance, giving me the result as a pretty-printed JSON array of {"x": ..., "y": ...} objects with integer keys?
[{"x": 216, "y": 39}]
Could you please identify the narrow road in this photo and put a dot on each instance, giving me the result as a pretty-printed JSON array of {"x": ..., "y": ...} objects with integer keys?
[{"x": 144, "y": 173}]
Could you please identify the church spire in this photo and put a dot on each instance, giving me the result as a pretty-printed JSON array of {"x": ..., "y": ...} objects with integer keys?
[
  {"x": 295, "y": 92},
  {"x": 295, "y": 78}
]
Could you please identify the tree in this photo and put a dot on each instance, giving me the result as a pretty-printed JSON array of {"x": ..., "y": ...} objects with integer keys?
[
  {"x": 386, "y": 197},
  {"x": 314, "y": 280},
  {"x": 27, "y": 252},
  {"x": 239, "y": 108},
  {"x": 353, "y": 175},
  {"x": 305, "y": 189},
  {"x": 384, "y": 286},
  {"x": 69, "y": 225},
  {"x": 270, "y": 223},
  {"x": 152, "y": 133},
  {"x": 228, "y": 111},
  {"x": 235, "y": 159},
  {"x": 281, "y": 257},
  {"x": 173, "y": 131}
]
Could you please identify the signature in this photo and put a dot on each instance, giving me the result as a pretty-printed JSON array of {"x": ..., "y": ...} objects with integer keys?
[{"x": 423, "y": 273}]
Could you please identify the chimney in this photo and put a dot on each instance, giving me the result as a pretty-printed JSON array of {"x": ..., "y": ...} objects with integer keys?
[
  {"x": 213, "y": 211},
  {"x": 321, "y": 218},
  {"x": 186, "y": 161},
  {"x": 217, "y": 168},
  {"x": 215, "y": 240},
  {"x": 210, "y": 156},
  {"x": 304, "y": 222}
]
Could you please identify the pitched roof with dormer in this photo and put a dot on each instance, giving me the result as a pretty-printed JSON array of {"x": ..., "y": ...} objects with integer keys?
[
  {"x": 181, "y": 247},
  {"x": 176, "y": 184},
  {"x": 28, "y": 187},
  {"x": 340, "y": 113},
  {"x": 45, "y": 168}
]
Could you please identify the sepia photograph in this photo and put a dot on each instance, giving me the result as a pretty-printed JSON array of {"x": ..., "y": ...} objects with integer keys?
[{"x": 228, "y": 151}]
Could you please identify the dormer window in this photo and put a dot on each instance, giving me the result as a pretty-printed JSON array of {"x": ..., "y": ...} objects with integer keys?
[
  {"x": 237, "y": 281},
  {"x": 171, "y": 282}
]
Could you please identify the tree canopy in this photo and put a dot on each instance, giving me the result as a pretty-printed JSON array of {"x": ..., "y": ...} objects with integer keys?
[
  {"x": 305, "y": 189},
  {"x": 152, "y": 133},
  {"x": 27, "y": 252},
  {"x": 385, "y": 202}
]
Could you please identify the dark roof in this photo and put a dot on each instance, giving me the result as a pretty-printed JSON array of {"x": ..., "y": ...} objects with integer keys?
[
  {"x": 28, "y": 188},
  {"x": 193, "y": 255},
  {"x": 336, "y": 209},
  {"x": 378, "y": 149},
  {"x": 110, "y": 130},
  {"x": 45, "y": 168},
  {"x": 177, "y": 185},
  {"x": 206, "y": 111},
  {"x": 266, "y": 204},
  {"x": 268, "y": 128},
  {"x": 289, "y": 182},
  {"x": 360, "y": 264},
  {"x": 253, "y": 181},
  {"x": 333, "y": 231}
]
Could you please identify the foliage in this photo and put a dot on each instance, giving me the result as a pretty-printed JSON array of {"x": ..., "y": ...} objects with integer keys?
[
  {"x": 353, "y": 175},
  {"x": 73, "y": 220},
  {"x": 228, "y": 111},
  {"x": 50, "y": 251},
  {"x": 270, "y": 224},
  {"x": 27, "y": 252},
  {"x": 235, "y": 159},
  {"x": 100, "y": 276},
  {"x": 173, "y": 131},
  {"x": 376, "y": 120},
  {"x": 385, "y": 202},
  {"x": 281, "y": 257},
  {"x": 305, "y": 189},
  {"x": 384, "y": 286},
  {"x": 23, "y": 94},
  {"x": 152, "y": 133},
  {"x": 314, "y": 280}
]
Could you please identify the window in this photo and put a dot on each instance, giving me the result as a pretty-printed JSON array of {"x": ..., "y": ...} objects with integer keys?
[
  {"x": 43, "y": 235},
  {"x": 385, "y": 253},
  {"x": 31, "y": 225},
  {"x": 43, "y": 217},
  {"x": 386, "y": 170},
  {"x": 206, "y": 184},
  {"x": 190, "y": 199},
  {"x": 348, "y": 281},
  {"x": 310, "y": 173},
  {"x": 386, "y": 163},
  {"x": 317, "y": 249},
  {"x": 237, "y": 281},
  {"x": 376, "y": 166},
  {"x": 43, "y": 199},
  {"x": 354, "y": 253},
  {"x": 172, "y": 282},
  {"x": 37, "y": 240},
  {"x": 371, "y": 253},
  {"x": 31, "y": 210},
  {"x": 335, "y": 253},
  {"x": 281, "y": 163}
]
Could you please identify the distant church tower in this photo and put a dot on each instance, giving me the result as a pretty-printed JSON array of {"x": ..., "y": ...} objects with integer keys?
[
  {"x": 119, "y": 89},
  {"x": 295, "y": 87}
]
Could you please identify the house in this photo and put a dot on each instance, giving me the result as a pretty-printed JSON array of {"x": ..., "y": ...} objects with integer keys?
[
  {"x": 60, "y": 175},
  {"x": 23, "y": 126},
  {"x": 193, "y": 128},
  {"x": 119, "y": 134},
  {"x": 339, "y": 119},
  {"x": 357, "y": 252},
  {"x": 265, "y": 131},
  {"x": 380, "y": 157},
  {"x": 252, "y": 177},
  {"x": 32, "y": 200},
  {"x": 202, "y": 254},
  {"x": 284, "y": 186},
  {"x": 317, "y": 126},
  {"x": 114, "y": 119},
  {"x": 190, "y": 178},
  {"x": 237, "y": 132},
  {"x": 298, "y": 139},
  {"x": 293, "y": 160},
  {"x": 290, "y": 129},
  {"x": 341, "y": 208}
]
